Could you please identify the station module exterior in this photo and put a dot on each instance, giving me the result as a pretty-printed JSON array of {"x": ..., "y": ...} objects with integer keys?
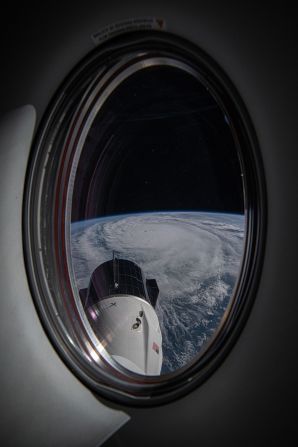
[{"x": 120, "y": 304}]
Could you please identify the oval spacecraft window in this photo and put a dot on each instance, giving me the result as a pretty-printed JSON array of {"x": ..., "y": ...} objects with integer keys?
[{"x": 142, "y": 224}]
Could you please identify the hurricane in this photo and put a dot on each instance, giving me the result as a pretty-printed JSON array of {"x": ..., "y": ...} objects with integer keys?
[{"x": 195, "y": 257}]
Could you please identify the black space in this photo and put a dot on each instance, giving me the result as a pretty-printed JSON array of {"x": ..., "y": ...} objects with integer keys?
[{"x": 161, "y": 142}]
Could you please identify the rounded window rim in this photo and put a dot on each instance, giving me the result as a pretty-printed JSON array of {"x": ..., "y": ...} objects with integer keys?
[
  {"x": 129, "y": 387},
  {"x": 98, "y": 96}
]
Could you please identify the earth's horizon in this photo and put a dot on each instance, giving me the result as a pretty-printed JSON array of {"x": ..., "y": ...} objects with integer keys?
[{"x": 195, "y": 257}]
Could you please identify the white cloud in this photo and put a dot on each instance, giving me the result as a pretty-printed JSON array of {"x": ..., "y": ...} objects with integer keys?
[{"x": 194, "y": 257}]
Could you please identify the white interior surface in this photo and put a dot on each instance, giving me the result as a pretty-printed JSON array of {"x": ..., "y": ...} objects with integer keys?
[{"x": 42, "y": 403}]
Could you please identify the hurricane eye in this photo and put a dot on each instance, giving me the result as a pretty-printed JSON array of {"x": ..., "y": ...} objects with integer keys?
[{"x": 144, "y": 218}]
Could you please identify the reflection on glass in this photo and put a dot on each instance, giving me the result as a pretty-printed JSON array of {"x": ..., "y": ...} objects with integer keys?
[{"x": 157, "y": 233}]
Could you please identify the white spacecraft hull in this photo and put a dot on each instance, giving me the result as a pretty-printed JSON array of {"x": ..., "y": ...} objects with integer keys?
[{"x": 130, "y": 331}]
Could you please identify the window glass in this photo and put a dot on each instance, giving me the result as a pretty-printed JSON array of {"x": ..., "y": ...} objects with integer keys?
[{"x": 157, "y": 232}]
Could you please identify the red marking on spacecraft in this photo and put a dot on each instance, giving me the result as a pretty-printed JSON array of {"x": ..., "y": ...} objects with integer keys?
[{"x": 155, "y": 347}]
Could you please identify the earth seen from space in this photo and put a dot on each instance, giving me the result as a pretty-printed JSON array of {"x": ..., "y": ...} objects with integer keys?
[{"x": 195, "y": 258}]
